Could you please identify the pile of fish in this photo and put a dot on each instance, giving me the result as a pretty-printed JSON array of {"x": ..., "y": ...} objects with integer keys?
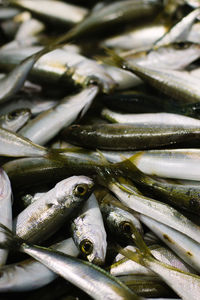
[{"x": 99, "y": 149}]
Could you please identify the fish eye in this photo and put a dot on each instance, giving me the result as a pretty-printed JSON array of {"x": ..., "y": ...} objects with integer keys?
[
  {"x": 80, "y": 190},
  {"x": 86, "y": 247},
  {"x": 127, "y": 228},
  {"x": 13, "y": 114}
]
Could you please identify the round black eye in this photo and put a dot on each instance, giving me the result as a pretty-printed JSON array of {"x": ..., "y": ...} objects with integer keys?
[
  {"x": 86, "y": 247},
  {"x": 127, "y": 228},
  {"x": 80, "y": 190},
  {"x": 14, "y": 114}
]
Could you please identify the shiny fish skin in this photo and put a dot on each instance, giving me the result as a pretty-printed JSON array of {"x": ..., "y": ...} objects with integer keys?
[
  {"x": 29, "y": 274},
  {"x": 12, "y": 82},
  {"x": 60, "y": 64},
  {"x": 52, "y": 11},
  {"x": 5, "y": 209},
  {"x": 93, "y": 280},
  {"x": 180, "y": 31},
  {"x": 137, "y": 37},
  {"x": 88, "y": 231},
  {"x": 15, "y": 119},
  {"x": 118, "y": 220},
  {"x": 15, "y": 145},
  {"x": 128, "y": 136},
  {"x": 162, "y": 212},
  {"x": 44, "y": 217},
  {"x": 150, "y": 119},
  {"x": 186, "y": 248},
  {"x": 47, "y": 124},
  {"x": 111, "y": 14}
]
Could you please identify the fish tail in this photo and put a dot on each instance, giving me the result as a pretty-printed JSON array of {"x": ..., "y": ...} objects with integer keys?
[
  {"x": 141, "y": 253},
  {"x": 12, "y": 242}
]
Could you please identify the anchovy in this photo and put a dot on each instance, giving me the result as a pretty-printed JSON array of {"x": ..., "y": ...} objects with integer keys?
[
  {"x": 5, "y": 209},
  {"x": 14, "y": 120},
  {"x": 15, "y": 145},
  {"x": 58, "y": 12},
  {"x": 44, "y": 217},
  {"x": 159, "y": 211},
  {"x": 93, "y": 280},
  {"x": 47, "y": 124},
  {"x": 150, "y": 119},
  {"x": 29, "y": 274},
  {"x": 129, "y": 136},
  {"x": 60, "y": 65},
  {"x": 185, "y": 247},
  {"x": 118, "y": 220},
  {"x": 89, "y": 233},
  {"x": 180, "y": 31}
]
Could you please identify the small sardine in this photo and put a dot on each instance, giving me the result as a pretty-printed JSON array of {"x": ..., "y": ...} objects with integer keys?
[
  {"x": 89, "y": 233},
  {"x": 14, "y": 120},
  {"x": 44, "y": 217},
  {"x": 93, "y": 280},
  {"x": 46, "y": 125},
  {"x": 29, "y": 274},
  {"x": 5, "y": 209}
]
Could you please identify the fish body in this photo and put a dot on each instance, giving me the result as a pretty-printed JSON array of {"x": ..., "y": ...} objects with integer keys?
[{"x": 44, "y": 217}]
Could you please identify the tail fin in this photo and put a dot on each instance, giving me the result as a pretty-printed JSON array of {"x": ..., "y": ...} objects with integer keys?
[{"x": 12, "y": 241}]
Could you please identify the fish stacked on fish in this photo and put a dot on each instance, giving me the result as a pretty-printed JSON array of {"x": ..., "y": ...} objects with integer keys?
[{"x": 100, "y": 149}]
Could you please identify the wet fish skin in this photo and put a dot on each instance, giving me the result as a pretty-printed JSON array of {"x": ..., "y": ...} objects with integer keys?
[
  {"x": 14, "y": 120},
  {"x": 93, "y": 280},
  {"x": 29, "y": 274},
  {"x": 128, "y": 136},
  {"x": 131, "y": 197},
  {"x": 150, "y": 119},
  {"x": 46, "y": 125},
  {"x": 118, "y": 220},
  {"x": 89, "y": 233},
  {"x": 15, "y": 145},
  {"x": 5, "y": 209},
  {"x": 44, "y": 217}
]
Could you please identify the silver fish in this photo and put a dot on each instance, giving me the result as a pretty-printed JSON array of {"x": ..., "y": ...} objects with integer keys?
[
  {"x": 89, "y": 233},
  {"x": 44, "y": 217},
  {"x": 58, "y": 11},
  {"x": 30, "y": 274},
  {"x": 159, "y": 211},
  {"x": 13, "y": 144},
  {"x": 47, "y": 124},
  {"x": 150, "y": 119},
  {"x": 5, "y": 209},
  {"x": 93, "y": 280},
  {"x": 15, "y": 119}
]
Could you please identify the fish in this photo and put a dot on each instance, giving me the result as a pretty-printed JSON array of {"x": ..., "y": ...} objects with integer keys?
[
  {"x": 89, "y": 233},
  {"x": 122, "y": 136},
  {"x": 14, "y": 80},
  {"x": 62, "y": 115},
  {"x": 14, "y": 120},
  {"x": 46, "y": 215},
  {"x": 93, "y": 280},
  {"x": 58, "y": 13},
  {"x": 150, "y": 119},
  {"x": 116, "y": 217},
  {"x": 169, "y": 82},
  {"x": 14, "y": 145},
  {"x": 30, "y": 274},
  {"x": 5, "y": 209},
  {"x": 129, "y": 195},
  {"x": 185, "y": 284},
  {"x": 180, "y": 31},
  {"x": 60, "y": 66}
]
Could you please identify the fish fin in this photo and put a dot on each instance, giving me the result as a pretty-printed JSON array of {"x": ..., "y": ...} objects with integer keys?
[
  {"x": 12, "y": 241},
  {"x": 102, "y": 157}
]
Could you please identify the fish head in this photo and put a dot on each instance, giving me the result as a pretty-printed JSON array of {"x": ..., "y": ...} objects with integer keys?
[
  {"x": 73, "y": 189},
  {"x": 91, "y": 240}
]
